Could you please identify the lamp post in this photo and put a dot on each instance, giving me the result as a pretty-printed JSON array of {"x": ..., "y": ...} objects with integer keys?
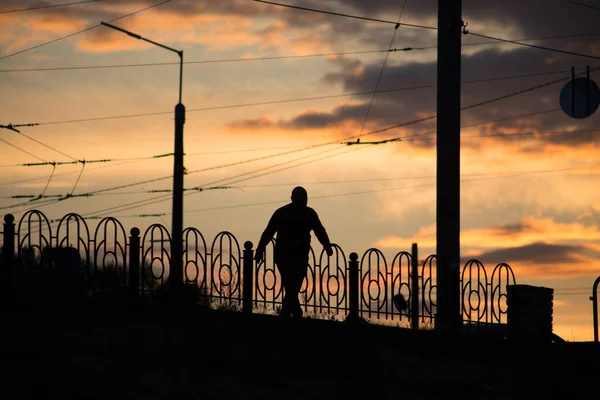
[{"x": 176, "y": 267}]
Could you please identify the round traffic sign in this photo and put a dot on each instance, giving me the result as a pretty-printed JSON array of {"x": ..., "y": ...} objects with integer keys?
[{"x": 580, "y": 98}]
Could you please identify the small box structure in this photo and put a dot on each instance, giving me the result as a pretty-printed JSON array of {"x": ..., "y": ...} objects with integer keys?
[{"x": 529, "y": 312}]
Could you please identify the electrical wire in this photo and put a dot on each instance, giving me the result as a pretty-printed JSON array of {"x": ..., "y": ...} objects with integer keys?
[
  {"x": 20, "y": 149},
  {"x": 46, "y": 146},
  {"x": 364, "y": 180},
  {"x": 50, "y": 6},
  {"x": 348, "y": 138},
  {"x": 229, "y": 181},
  {"x": 343, "y": 15},
  {"x": 123, "y": 161},
  {"x": 163, "y": 198},
  {"x": 54, "y": 164},
  {"x": 83, "y": 30},
  {"x": 83, "y": 163},
  {"x": 420, "y": 135},
  {"x": 389, "y": 140},
  {"x": 422, "y": 119},
  {"x": 582, "y": 4},
  {"x": 27, "y": 205},
  {"x": 533, "y": 46},
  {"x": 271, "y": 102},
  {"x": 394, "y": 50},
  {"x": 479, "y": 177},
  {"x": 519, "y": 92},
  {"x": 409, "y": 138},
  {"x": 382, "y": 70},
  {"x": 49, "y": 179},
  {"x": 227, "y": 60},
  {"x": 391, "y": 189},
  {"x": 310, "y": 147}
]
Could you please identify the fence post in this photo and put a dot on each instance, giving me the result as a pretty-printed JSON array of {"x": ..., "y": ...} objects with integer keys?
[
  {"x": 353, "y": 288},
  {"x": 414, "y": 288},
  {"x": 248, "y": 277},
  {"x": 8, "y": 255},
  {"x": 134, "y": 261},
  {"x": 594, "y": 299},
  {"x": 455, "y": 291}
]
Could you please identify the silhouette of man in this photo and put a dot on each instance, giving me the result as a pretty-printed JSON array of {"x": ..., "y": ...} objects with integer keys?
[{"x": 293, "y": 223}]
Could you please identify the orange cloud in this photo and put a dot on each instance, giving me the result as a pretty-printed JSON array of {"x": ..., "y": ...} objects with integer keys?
[
  {"x": 534, "y": 245},
  {"x": 107, "y": 40},
  {"x": 311, "y": 123},
  {"x": 23, "y": 42},
  {"x": 56, "y": 24},
  {"x": 528, "y": 230}
]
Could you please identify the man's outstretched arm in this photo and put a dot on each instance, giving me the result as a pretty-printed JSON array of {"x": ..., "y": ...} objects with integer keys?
[
  {"x": 266, "y": 237},
  {"x": 322, "y": 235}
]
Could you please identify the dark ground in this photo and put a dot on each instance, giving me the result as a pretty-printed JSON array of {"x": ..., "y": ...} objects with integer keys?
[{"x": 95, "y": 352}]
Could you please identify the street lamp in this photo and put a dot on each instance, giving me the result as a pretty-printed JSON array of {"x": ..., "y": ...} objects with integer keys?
[{"x": 176, "y": 267}]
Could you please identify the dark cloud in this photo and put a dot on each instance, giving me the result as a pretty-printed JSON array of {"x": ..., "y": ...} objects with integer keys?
[
  {"x": 407, "y": 93},
  {"x": 539, "y": 253},
  {"x": 531, "y": 17},
  {"x": 587, "y": 215},
  {"x": 511, "y": 229},
  {"x": 391, "y": 106},
  {"x": 590, "y": 218},
  {"x": 316, "y": 119}
]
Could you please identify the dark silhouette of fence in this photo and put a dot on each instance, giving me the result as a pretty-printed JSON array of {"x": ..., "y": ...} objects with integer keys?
[
  {"x": 223, "y": 273},
  {"x": 594, "y": 299}
]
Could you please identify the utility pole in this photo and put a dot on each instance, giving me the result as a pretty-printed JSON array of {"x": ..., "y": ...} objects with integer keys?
[
  {"x": 448, "y": 164},
  {"x": 176, "y": 274}
]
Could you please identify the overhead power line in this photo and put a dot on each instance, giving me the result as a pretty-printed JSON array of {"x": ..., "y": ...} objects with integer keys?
[
  {"x": 421, "y": 120},
  {"x": 226, "y": 60},
  {"x": 420, "y": 135},
  {"x": 270, "y": 102},
  {"x": 533, "y": 46},
  {"x": 502, "y": 135},
  {"x": 582, "y": 4},
  {"x": 162, "y": 198},
  {"x": 343, "y": 15},
  {"x": 330, "y": 182},
  {"x": 465, "y": 31},
  {"x": 46, "y": 146},
  {"x": 23, "y": 150},
  {"x": 428, "y": 118},
  {"x": 301, "y": 148},
  {"x": 13, "y": 127},
  {"x": 482, "y": 177},
  {"x": 83, "y": 30},
  {"x": 352, "y": 137},
  {"x": 268, "y": 58},
  {"x": 370, "y": 106},
  {"x": 228, "y": 181},
  {"x": 50, "y": 6},
  {"x": 396, "y": 126}
]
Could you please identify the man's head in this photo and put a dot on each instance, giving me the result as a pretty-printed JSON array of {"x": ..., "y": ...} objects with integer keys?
[{"x": 299, "y": 196}]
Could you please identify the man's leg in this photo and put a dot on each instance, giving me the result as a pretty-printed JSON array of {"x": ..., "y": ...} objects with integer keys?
[
  {"x": 284, "y": 272},
  {"x": 297, "y": 278}
]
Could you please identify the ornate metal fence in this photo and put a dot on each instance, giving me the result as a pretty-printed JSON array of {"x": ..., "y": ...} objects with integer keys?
[{"x": 108, "y": 257}]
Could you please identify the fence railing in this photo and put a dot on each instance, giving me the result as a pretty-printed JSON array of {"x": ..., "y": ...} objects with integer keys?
[{"x": 366, "y": 286}]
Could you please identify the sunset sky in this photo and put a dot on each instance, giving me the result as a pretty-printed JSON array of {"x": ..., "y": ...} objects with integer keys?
[{"x": 272, "y": 93}]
